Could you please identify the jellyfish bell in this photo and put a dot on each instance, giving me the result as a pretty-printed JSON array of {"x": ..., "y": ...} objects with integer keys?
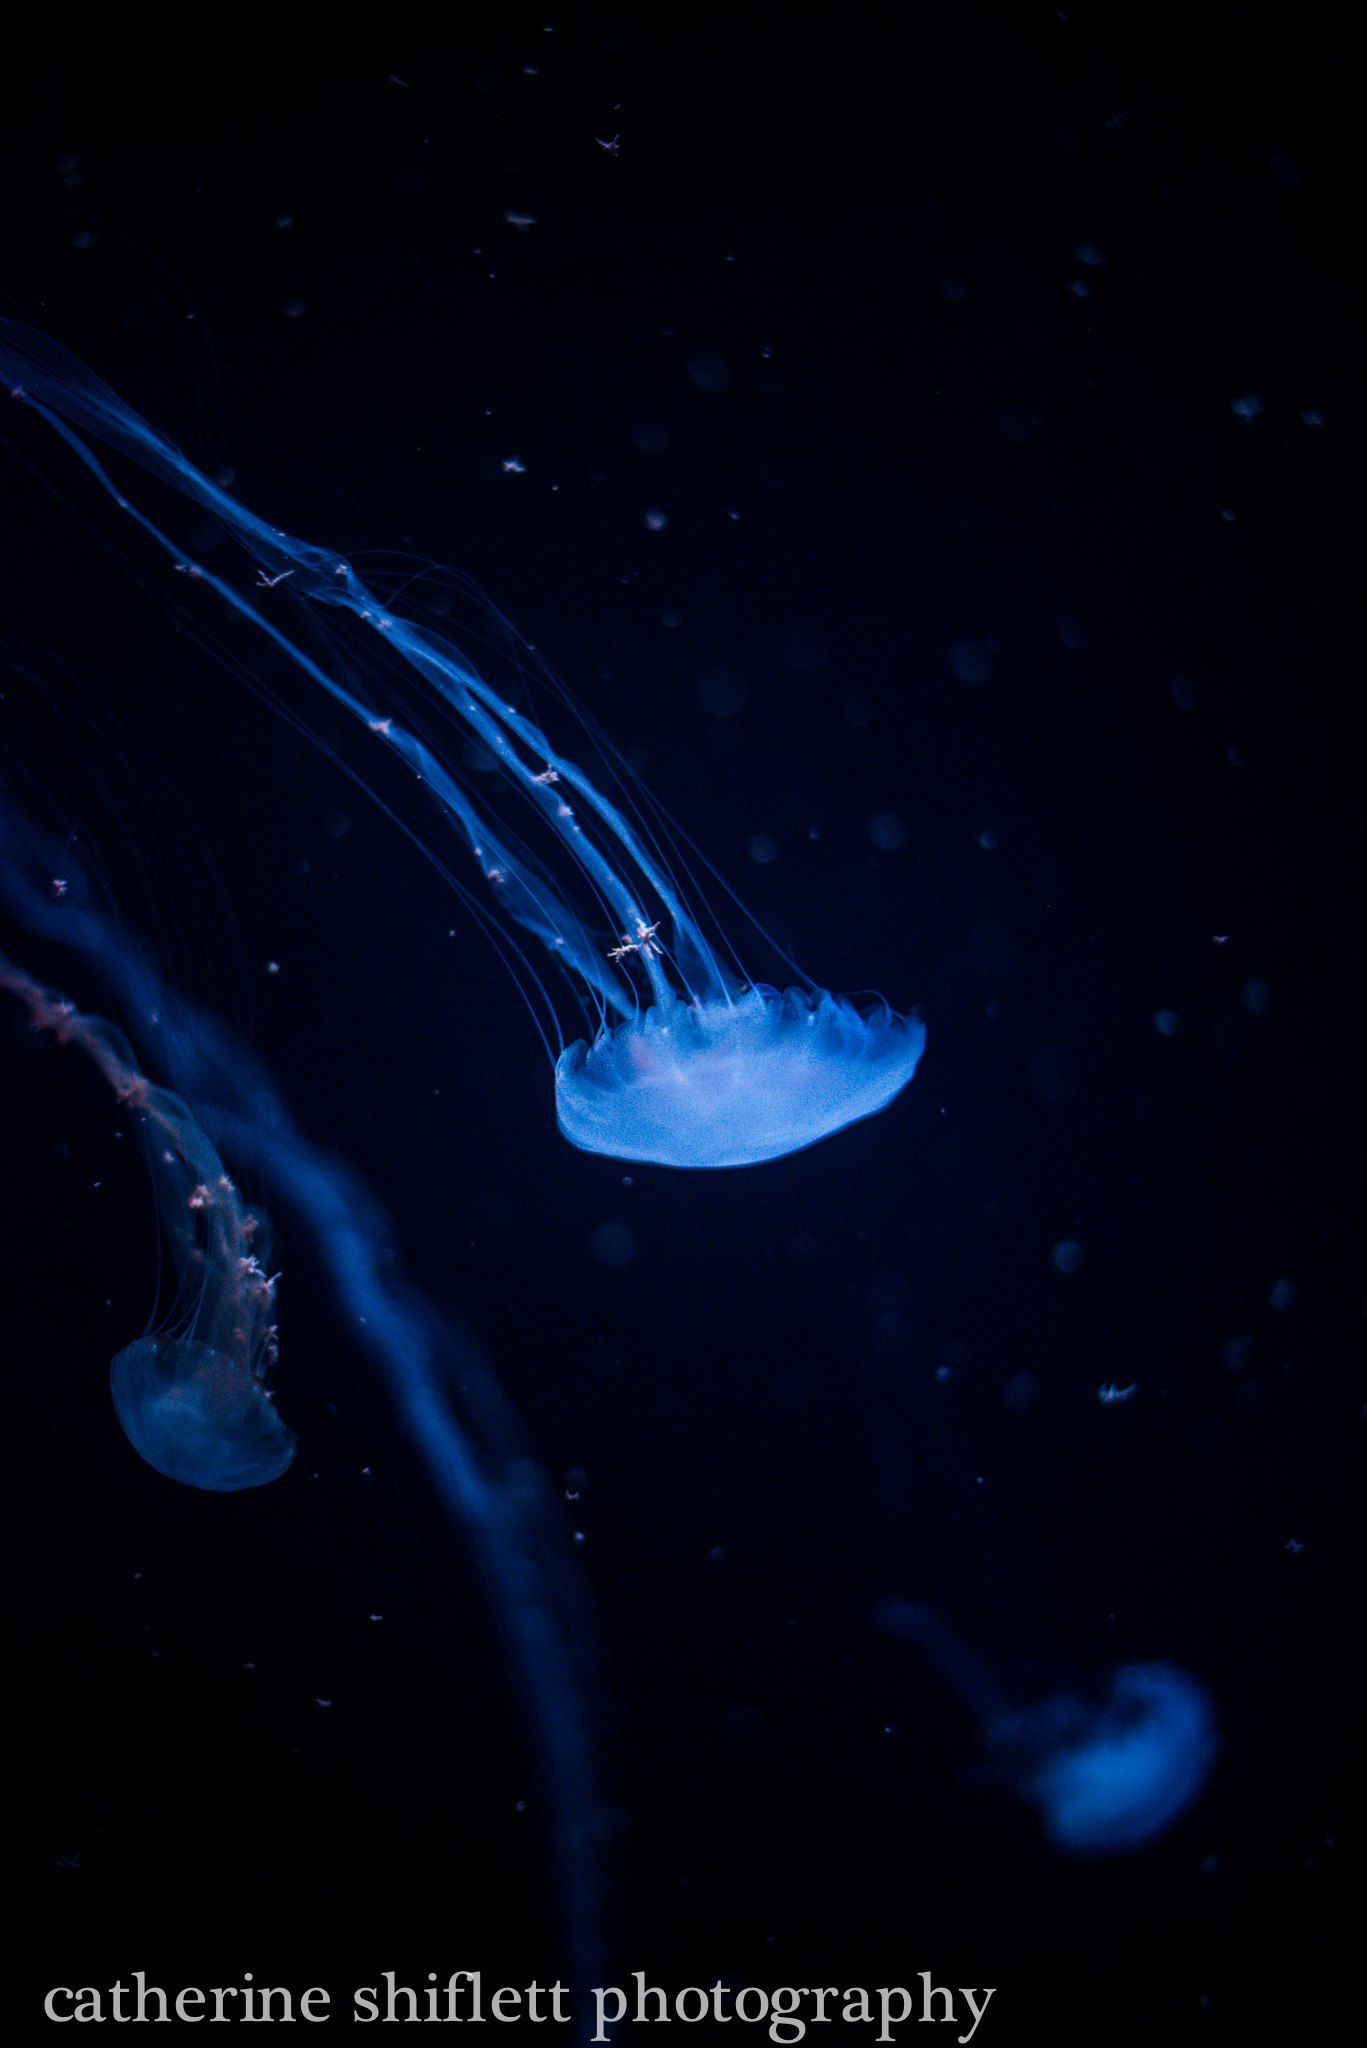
[
  {"x": 689, "y": 1061},
  {"x": 198, "y": 1417},
  {"x": 733, "y": 1081},
  {"x": 1105, "y": 1776},
  {"x": 1131, "y": 1767}
]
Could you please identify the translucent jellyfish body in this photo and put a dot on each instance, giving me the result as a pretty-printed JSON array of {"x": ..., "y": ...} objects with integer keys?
[
  {"x": 192, "y": 1396},
  {"x": 730, "y": 1083},
  {"x": 1115, "y": 1775},
  {"x": 197, "y": 1416},
  {"x": 689, "y": 1061},
  {"x": 1106, "y": 1773}
]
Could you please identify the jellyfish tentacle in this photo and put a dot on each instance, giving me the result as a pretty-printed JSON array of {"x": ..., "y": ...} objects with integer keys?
[
  {"x": 957, "y": 1663},
  {"x": 435, "y": 664},
  {"x": 336, "y": 582}
]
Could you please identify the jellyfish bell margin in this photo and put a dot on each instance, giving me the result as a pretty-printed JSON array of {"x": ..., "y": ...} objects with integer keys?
[{"x": 733, "y": 1082}]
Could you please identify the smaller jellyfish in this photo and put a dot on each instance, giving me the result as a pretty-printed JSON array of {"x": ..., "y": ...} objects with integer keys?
[
  {"x": 441, "y": 1388},
  {"x": 191, "y": 1396},
  {"x": 1106, "y": 1774}
]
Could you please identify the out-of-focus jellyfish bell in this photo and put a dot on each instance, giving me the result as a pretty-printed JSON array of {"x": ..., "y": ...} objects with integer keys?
[
  {"x": 192, "y": 1396},
  {"x": 1114, "y": 1776},
  {"x": 1105, "y": 1776}
]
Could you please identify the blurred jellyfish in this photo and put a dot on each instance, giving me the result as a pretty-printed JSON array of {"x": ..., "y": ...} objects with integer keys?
[
  {"x": 441, "y": 1389},
  {"x": 192, "y": 1396},
  {"x": 1106, "y": 1774},
  {"x": 690, "y": 1061}
]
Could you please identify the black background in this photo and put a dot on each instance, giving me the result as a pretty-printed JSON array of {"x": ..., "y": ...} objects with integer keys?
[{"x": 821, "y": 308}]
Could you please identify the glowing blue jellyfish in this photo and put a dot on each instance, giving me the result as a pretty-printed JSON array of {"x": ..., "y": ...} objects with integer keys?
[
  {"x": 1116, "y": 1775},
  {"x": 1107, "y": 1774},
  {"x": 733, "y": 1081},
  {"x": 690, "y": 1062},
  {"x": 192, "y": 1398},
  {"x": 443, "y": 1393}
]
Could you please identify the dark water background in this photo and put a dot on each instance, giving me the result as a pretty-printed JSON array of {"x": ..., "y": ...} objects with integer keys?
[{"x": 930, "y": 335}]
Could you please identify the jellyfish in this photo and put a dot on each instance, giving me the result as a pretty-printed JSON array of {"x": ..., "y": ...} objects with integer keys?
[
  {"x": 192, "y": 1396},
  {"x": 1107, "y": 1773},
  {"x": 688, "y": 1060},
  {"x": 443, "y": 1393}
]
